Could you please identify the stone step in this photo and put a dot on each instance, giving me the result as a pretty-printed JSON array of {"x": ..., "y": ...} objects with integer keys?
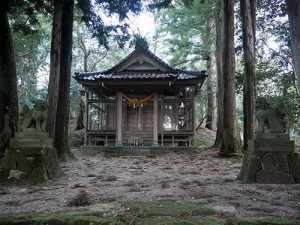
[{"x": 135, "y": 151}]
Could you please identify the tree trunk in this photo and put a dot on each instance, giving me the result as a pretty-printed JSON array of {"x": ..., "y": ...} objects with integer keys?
[
  {"x": 249, "y": 68},
  {"x": 210, "y": 121},
  {"x": 63, "y": 106},
  {"x": 53, "y": 86},
  {"x": 80, "y": 118},
  {"x": 293, "y": 7},
  {"x": 9, "y": 108},
  {"x": 231, "y": 138},
  {"x": 220, "y": 91}
]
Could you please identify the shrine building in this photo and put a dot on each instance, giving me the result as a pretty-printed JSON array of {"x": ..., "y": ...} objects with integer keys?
[{"x": 140, "y": 102}]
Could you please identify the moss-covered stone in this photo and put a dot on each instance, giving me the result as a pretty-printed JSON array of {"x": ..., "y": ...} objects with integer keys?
[
  {"x": 190, "y": 221},
  {"x": 33, "y": 154},
  {"x": 262, "y": 221},
  {"x": 88, "y": 220},
  {"x": 251, "y": 165},
  {"x": 31, "y": 220},
  {"x": 80, "y": 216},
  {"x": 166, "y": 207},
  {"x": 270, "y": 167}
]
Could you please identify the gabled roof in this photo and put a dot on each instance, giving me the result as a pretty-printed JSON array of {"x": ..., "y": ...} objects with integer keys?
[{"x": 140, "y": 64}]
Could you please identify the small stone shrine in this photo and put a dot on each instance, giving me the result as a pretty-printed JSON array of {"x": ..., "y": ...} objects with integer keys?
[
  {"x": 31, "y": 156},
  {"x": 271, "y": 156}
]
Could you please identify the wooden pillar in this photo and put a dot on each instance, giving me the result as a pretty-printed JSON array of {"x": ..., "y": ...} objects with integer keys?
[
  {"x": 86, "y": 102},
  {"x": 155, "y": 121},
  {"x": 162, "y": 121},
  {"x": 119, "y": 119},
  {"x": 193, "y": 120}
]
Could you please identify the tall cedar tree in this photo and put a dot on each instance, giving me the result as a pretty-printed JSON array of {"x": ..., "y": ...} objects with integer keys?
[
  {"x": 9, "y": 109},
  {"x": 248, "y": 8},
  {"x": 63, "y": 105},
  {"x": 231, "y": 140},
  {"x": 210, "y": 120},
  {"x": 220, "y": 87},
  {"x": 53, "y": 85},
  {"x": 293, "y": 7}
]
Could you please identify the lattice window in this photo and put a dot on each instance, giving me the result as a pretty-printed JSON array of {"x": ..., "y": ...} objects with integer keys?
[
  {"x": 101, "y": 116},
  {"x": 178, "y": 115},
  {"x": 140, "y": 119}
]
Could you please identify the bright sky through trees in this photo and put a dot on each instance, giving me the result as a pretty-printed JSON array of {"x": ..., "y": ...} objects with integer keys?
[{"x": 144, "y": 24}]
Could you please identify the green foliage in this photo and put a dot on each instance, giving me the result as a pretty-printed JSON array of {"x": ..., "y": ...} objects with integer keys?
[
  {"x": 159, "y": 4},
  {"x": 188, "y": 28},
  {"x": 31, "y": 51},
  {"x": 27, "y": 13},
  {"x": 94, "y": 14},
  {"x": 140, "y": 42},
  {"x": 289, "y": 106}
]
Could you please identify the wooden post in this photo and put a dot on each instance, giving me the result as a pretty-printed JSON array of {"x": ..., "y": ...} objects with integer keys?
[
  {"x": 86, "y": 102},
  {"x": 119, "y": 119},
  {"x": 162, "y": 121},
  {"x": 155, "y": 121}
]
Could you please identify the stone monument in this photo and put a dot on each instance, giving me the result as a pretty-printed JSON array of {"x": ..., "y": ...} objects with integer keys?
[
  {"x": 271, "y": 156},
  {"x": 31, "y": 156}
]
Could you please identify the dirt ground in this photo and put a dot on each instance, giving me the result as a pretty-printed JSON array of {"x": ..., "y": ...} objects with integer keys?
[{"x": 201, "y": 176}]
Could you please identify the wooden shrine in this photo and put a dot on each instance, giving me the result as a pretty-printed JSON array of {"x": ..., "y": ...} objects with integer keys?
[{"x": 141, "y": 101}]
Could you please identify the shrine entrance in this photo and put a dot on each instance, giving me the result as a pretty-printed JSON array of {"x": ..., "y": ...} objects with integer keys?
[{"x": 142, "y": 101}]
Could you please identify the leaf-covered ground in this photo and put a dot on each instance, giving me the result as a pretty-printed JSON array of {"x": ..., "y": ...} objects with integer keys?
[{"x": 201, "y": 179}]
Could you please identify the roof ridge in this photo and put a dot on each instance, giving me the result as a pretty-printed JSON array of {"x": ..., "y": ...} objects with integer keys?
[{"x": 146, "y": 51}]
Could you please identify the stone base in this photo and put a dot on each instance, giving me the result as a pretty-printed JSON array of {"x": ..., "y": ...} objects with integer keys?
[
  {"x": 270, "y": 167},
  {"x": 32, "y": 155},
  {"x": 271, "y": 145},
  {"x": 271, "y": 159}
]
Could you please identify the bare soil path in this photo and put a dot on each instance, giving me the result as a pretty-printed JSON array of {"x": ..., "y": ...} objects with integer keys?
[{"x": 201, "y": 177}]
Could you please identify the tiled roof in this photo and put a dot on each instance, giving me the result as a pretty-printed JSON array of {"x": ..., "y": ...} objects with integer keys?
[
  {"x": 180, "y": 75},
  {"x": 141, "y": 74}
]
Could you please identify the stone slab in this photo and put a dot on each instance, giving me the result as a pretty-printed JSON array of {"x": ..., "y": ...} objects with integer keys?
[
  {"x": 271, "y": 145},
  {"x": 30, "y": 142},
  {"x": 262, "y": 177},
  {"x": 268, "y": 164},
  {"x": 135, "y": 151},
  {"x": 225, "y": 209},
  {"x": 281, "y": 162},
  {"x": 281, "y": 178},
  {"x": 251, "y": 165},
  {"x": 271, "y": 136},
  {"x": 294, "y": 165},
  {"x": 31, "y": 134}
]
